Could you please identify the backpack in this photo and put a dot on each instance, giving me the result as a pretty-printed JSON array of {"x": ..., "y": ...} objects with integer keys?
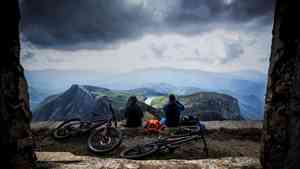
[{"x": 153, "y": 127}]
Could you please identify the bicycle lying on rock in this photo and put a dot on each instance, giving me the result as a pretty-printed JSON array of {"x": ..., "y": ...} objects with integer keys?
[
  {"x": 168, "y": 143},
  {"x": 103, "y": 137}
]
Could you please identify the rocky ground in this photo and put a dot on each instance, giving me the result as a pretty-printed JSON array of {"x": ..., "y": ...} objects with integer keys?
[
  {"x": 85, "y": 162},
  {"x": 230, "y": 144}
]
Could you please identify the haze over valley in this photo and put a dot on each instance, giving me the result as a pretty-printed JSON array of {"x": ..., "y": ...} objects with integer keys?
[{"x": 246, "y": 87}]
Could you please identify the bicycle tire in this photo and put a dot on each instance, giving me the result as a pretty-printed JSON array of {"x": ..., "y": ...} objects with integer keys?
[
  {"x": 153, "y": 148},
  {"x": 98, "y": 143},
  {"x": 55, "y": 132}
]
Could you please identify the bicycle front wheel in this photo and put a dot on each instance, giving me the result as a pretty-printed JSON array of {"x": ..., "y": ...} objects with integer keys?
[
  {"x": 139, "y": 151},
  {"x": 104, "y": 140}
]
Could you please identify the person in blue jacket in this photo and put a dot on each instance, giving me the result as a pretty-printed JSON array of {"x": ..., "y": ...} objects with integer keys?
[{"x": 172, "y": 110}]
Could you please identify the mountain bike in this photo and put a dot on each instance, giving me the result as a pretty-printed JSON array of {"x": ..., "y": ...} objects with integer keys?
[
  {"x": 103, "y": 137},
  {"x": 169, "y": 143}
]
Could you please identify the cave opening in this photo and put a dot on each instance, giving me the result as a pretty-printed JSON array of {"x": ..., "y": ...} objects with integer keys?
[{"x": 280, "y": 145}]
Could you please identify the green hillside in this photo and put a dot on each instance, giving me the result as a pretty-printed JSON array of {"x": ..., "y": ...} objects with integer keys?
[
  {"x": 205, "y": 105},
  {"x": 159, "y": 101},
  {"x": 82, "y": 101}
]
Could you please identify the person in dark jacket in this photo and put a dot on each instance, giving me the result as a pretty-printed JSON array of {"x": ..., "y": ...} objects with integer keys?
[
  {"x": 133, "y": 113},
  {"x": 173, "y": 110},
  {"x": 104, "y": 109}
]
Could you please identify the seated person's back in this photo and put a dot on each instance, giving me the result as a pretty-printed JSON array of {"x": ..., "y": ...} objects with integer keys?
[
  {"x": 173, "y": 110},
  {"x": 133, "y": 113}
]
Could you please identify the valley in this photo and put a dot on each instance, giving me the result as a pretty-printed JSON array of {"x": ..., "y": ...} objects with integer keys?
[
  {"x": 85, "y": 101},
  {"x": 246, "y": 87}
]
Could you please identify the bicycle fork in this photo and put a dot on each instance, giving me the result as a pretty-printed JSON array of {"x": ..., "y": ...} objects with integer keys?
[{"x": 205, "y": 148}]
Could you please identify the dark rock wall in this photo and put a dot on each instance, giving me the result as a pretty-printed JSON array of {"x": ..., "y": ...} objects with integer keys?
[
  {"x": 16, "y": 141},
  {"x": 281, "y": 137}
]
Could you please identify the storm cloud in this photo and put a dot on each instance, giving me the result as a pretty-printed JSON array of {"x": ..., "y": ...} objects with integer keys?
[
  {"x": 66, "y": 22},
  {"x": 61, "y": 24}
]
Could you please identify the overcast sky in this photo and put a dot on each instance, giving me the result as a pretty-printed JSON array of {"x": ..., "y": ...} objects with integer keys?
[{"x": 123, "y": 35}]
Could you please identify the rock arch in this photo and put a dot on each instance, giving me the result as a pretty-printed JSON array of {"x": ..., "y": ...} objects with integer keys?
[{"x": 281, "y": 136}]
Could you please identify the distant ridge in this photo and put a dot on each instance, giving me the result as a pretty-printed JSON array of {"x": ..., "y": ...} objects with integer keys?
[
  {"x": 208, "y": 106},
  {"x": 82, "y": 101},
  {"x": 248, "y": 86}
]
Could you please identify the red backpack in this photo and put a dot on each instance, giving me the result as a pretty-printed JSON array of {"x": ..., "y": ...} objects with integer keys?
[{"x": 153, "y": 127}]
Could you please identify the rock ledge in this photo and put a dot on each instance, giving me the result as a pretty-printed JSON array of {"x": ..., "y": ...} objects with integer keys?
[{"x": 86, "y": 162}]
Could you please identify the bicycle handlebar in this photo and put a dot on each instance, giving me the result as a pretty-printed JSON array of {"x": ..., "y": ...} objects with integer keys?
[{"x": 201, "y": 128}]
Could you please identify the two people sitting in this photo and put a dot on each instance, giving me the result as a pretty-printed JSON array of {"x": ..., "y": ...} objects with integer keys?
[{"x": 134, "y": 114}]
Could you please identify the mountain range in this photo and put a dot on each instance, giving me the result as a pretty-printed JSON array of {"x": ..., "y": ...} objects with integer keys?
[
  {"x": 87, "y": 101},
  {"x": 247, "y": 86}
]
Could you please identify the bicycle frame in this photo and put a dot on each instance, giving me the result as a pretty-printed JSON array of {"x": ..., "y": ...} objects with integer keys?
[
  {"x": 76, "y": 126},
  {"x": 169, "y": 143},
  {"x": 86, "y": 126},
  {"x": 173, "y": 142}
]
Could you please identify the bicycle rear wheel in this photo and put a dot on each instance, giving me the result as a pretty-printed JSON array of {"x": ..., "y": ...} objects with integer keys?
[
  {"x": 104, "y": 139},
  {"x": 139, "y": 151},
  {"x": 66, "y": 129}
]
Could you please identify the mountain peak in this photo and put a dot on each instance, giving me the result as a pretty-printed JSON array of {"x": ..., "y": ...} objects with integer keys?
[
  {"x": 74, "y": 86},
  {"x": 77, "y": 90},
  {"x": 95, "y": 89}
]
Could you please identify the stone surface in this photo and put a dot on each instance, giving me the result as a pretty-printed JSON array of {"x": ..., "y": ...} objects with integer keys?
[
  {"x": 58, "y": 157},
  {"x": 281, "y": 145},
  {"x": 97, "y": 163}
]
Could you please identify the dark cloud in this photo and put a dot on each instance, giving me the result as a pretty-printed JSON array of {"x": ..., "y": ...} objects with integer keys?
[
  {"x": 195, "y": 11},
  {"x": 243, "y": 10},
  {"x": 67, "y": 23},
  {"x": 201, "y": 12}
]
